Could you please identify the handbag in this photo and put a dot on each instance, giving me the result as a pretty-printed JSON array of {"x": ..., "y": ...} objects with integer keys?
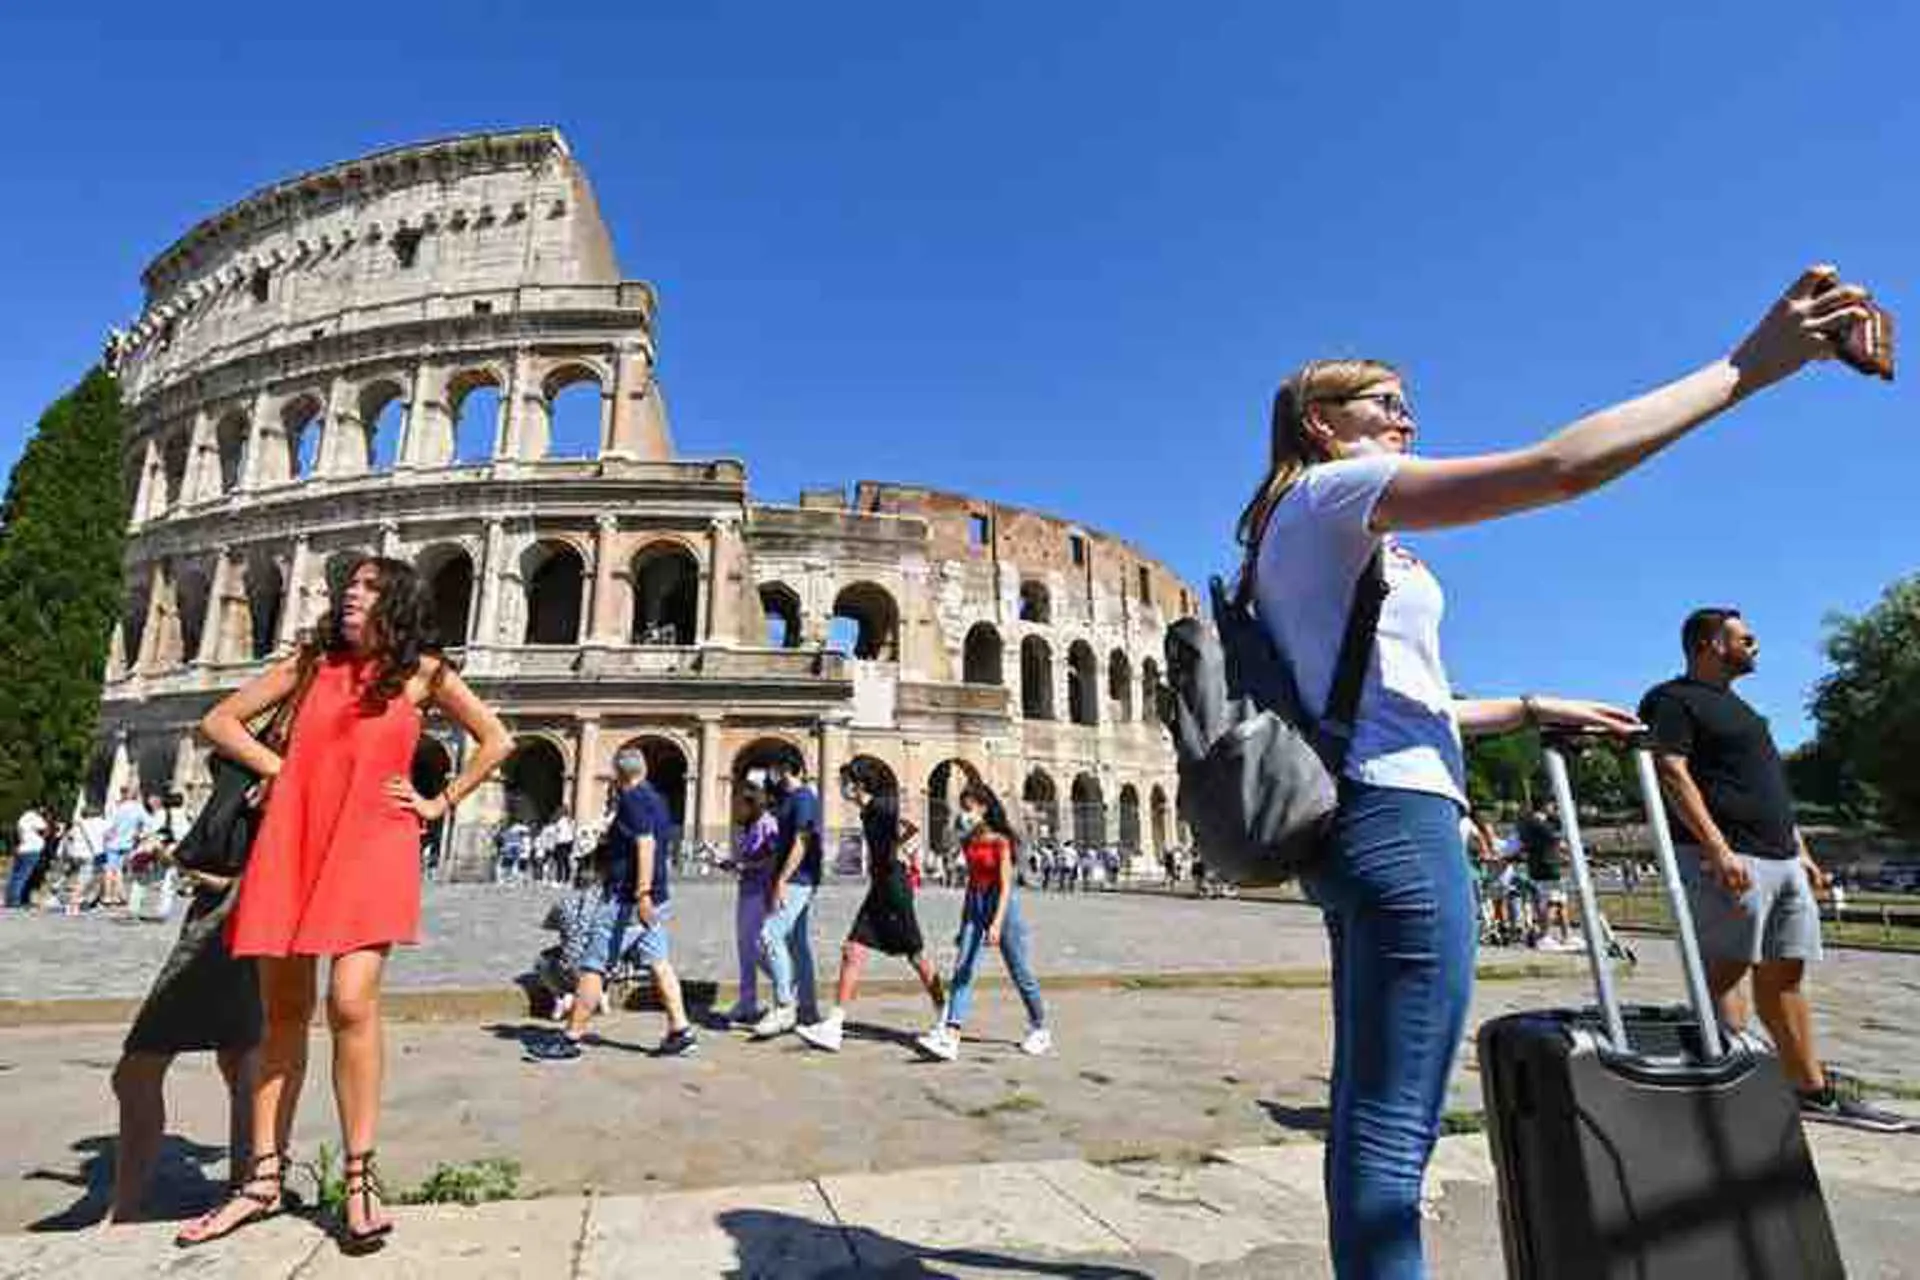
[
  {"x": 1259, "y": 773},
  {"x": 218, "y": 842}
]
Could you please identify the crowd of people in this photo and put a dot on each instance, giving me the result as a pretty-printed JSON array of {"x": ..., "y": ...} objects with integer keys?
[{"x": 99, "y": 860}]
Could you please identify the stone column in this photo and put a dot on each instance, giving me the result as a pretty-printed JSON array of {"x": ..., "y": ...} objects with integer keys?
[
  {"x": 343, "y": 437},
  {"x": 202, "y": 480},
  {"x": 253, "y": 473},
  {"x": 602, "y": 626},
  {"x": 710, "y": 805},
  {"x": 294, "y": 603},
  {"x": 723, "y": 587},
  {"x": 514, "y": 443},
  {"x": 149, "y": 494},
  {"x": 824, "y": 765},
  {"x": 213, "y": 627},
  {"x": 390, "y": 539},
  {"x": 486, "y": 630},
  {"x": 412, "y": 423},
  {"x": 586, "y": 771}
]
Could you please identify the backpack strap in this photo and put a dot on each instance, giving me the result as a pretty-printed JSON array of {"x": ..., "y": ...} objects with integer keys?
[{"x": 1334, "y": 734}]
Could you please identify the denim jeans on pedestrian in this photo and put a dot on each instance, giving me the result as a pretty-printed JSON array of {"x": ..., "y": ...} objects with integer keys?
[
  {"x": 23, "y": 869},
  {"x": 1397, "y": 895},
  {"x": 976, "y": 914},
  {"x": 787, "y": 941}
]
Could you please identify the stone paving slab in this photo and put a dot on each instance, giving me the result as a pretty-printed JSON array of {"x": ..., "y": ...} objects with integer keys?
[{"x": 1238, "y": 1214}]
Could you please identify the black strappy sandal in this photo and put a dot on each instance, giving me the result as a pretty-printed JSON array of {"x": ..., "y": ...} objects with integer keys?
[
  {"x": 363, "y": 1180},
  {"x": 265, "y": 1206}
]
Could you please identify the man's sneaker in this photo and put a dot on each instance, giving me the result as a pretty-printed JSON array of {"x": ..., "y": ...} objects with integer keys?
[
  {"x": 1038, "y": 1041},
  {"x": 678, "y": 1044},
  {"x": 942, "y": 1042},
  {"x": 826, "y": 1033},
  {"x": 1833, "y": 1107},
  {"x": 779, "y": 1020},
  {"x": 742, "y": 1014},
  {"x": 554, "y": 1048},
  {"x": 562, "y": 1007}
]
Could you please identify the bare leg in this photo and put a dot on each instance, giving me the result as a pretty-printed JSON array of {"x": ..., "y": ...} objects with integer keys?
[
  {"x": 240, "y": 1068},
  {"x": 667, "y": 983},
  {"x": 853, "y": 957},
  {"x": 139, "y": 1086},
  {"x": 353, "y": 1013},
  {"x": 930, "y": 979},
  {"x": 1723, "y": 979},
  {"x": 586, "y": 1002},
  {"x": 1782, "y": 1004}
]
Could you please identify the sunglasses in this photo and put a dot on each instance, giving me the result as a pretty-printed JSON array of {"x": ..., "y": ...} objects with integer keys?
[{"x": 1392, "y": 403}]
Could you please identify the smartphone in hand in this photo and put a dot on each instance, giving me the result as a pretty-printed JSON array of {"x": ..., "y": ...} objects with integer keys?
[{"x": 1867, "y": 344}]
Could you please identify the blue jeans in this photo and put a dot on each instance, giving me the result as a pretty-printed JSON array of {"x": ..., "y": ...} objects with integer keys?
[
  {"x": 23, "y": 868},
  {"x": 976, "y": 914},
  {"x": 1398, "y": 899},
  {"x": 786, "y": 939}
]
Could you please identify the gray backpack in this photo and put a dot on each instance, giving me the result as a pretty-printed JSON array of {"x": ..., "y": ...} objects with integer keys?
[{"x": 1258, "y": 774}]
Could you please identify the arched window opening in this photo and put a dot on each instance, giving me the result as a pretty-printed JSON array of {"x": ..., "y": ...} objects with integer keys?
[
  {"x": 981, "y": 660},
  {"x": 781, "y": 604},
  {"x": 266, "y": 589},
  {"x": 667, "y": 773},
  {"x": 554, "y": 581},
  {"x": 1036, "y": 679},
  {"x": 1129, "y": 819},
  {"x": 230, "y": 438},
  {"x": 1089, "y": 813},
  {"x": 304, "y": 428},
  {"x": 866, "y": 623},
  {"x": 1083, "y": 683},
  {"x": 193, "y": 595},
  {"x": 448, "y": 572},
  {"x": 1150, "y": 691},
  {"x": 383, "y": 416},
  {"x": 573, "y": 414},
  {"x": 1042, "y": 803},
  {"x": 945, "y": 782},
  {"x": 666, "y": 594},
  {"x": 1157, "y": 815},
  {"x": 173, "y": 465},
  {"x": 476, "y": 418},
  {"x": 1120, "y": 685},
  {"x": 1036, "y": 605},
  {"x": 536, "y": 782}
]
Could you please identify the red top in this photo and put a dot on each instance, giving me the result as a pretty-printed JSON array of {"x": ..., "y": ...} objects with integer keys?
[
  {"x": 984, "y": 851},
  {"x": 336, "y": 866}
]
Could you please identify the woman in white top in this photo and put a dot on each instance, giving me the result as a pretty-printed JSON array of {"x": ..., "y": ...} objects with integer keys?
[{"x": 1395, "y": 888}]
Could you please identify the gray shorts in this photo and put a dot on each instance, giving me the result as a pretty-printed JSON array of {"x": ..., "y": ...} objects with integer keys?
[{"x": 1777, "y": 918}]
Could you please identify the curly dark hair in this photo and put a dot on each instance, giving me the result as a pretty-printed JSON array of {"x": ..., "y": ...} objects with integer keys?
[
  {"x": 400, "y": 628},
  {"x": 981, "y": 794}
]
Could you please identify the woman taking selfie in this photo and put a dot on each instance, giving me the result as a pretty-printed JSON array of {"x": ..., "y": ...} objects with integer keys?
[
  {"x": 1395, "y": 889},
  {"x": 335, "y": 869}
]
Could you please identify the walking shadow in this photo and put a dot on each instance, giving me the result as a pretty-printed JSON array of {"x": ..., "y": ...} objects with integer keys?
[
  {"x": 1315, "y": 1118},
  {"x": 780, "y": 1244},
  {"x": 180, "y": 1186}
]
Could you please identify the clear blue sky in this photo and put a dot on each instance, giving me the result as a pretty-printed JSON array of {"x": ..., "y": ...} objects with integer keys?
[{"x": 1060, "y": 253}]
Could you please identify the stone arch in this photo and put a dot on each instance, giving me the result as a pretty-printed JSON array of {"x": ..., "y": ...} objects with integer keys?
[
  {"x": 666, "y": 595},
  {"x": 303, "y": 424},
  {"x": 133, "y": 623},
  {"x": 474, "y": 412},
  {"x": 1130, "y": 819},
  {"x": 1083, "y": 684},
  {"x": 447, "y": 570},
  {"x": 555, "y": 574},
  {"x": 230, "y": 444},
  {"x": 942, "y": 797},
  {"x": 1041, "y": 801},
  {"x": 432, "y": 767},
  {"x": 983, "y": 655},
  {"x": 1157, "y": 817},
  {"x": 1089, "y": 812},
  {"x": 868, "y": 622},
  {"x": 1036, "y": 678},
  {"x": 176, "y": 451},
  {"x": 1036, "y": 603},
  {"x": 573, "y": 412},
  {"x": 266, "y": 596},
  {"x": 781, "y": 605},
  {"x": 761, "y": 753},
  {"x": 1150, "y": 691},
  {"x": 1120, "y": 685},
  {"x": 535, "y": 777},
  {"x": 667, "y": 770},
  {"x": 383, "y": 422},
  {"x": 193, "y": 597}
]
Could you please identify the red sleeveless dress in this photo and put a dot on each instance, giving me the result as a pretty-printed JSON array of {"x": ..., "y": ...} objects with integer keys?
[{"x": 336, "y": 866}]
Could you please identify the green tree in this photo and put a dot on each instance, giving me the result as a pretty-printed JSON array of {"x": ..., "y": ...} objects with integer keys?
[
  {"x": 1867, "y": 707},
  {"x": 61, "y": 529},
  {"x": 1504, "y": 768}
]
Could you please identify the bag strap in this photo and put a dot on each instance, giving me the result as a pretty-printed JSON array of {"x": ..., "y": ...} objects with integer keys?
[
  {"x": 280, "y": 728},
  {"x": 1334, "y": 733}
]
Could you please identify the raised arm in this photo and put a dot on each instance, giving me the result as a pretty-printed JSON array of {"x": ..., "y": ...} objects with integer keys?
[
  {"x": 1438, "y": 493},
  {"x": 225, "y": 726},
  {"x": 492, "y": 745}
]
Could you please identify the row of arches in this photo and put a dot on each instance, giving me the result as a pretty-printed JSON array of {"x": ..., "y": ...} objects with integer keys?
[
  {"x": 864, "y": 622},
  {"x": 375, "y": 430},
  {"x": 1084, "y": 685}
]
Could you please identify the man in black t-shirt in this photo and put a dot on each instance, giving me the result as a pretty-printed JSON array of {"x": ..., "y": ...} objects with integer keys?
[
  {"x": 1750, "y": 879},
  {"x": 1540, "y": 845}
]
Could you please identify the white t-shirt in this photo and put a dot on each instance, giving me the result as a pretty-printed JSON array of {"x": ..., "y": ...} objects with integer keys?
[
  {"x": 32, "y": 830},
  {"x": 1310, "y": 559}
]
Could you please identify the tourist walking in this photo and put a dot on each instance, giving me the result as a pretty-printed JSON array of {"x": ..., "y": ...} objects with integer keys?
[
  {"x": 29, "y": 846},
  {"x": 885, "y": 921},
  {"x": 786, "y": 939},
  {"x": 335, "y": 869},
  {"x": 1395, "y": 890},
  {"x": 127, "y": 824},
  {"x": 754, "y": 850},
  {"x": 989, "y": 917},
  {"x": 636, "y": 890}
]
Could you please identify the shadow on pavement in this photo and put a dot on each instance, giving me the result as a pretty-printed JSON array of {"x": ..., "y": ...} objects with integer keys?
[
  {"x": 1309, "y": 1119},
  {"x": 780, "y": 1244},
  {"x": 180, "y": 1186}
]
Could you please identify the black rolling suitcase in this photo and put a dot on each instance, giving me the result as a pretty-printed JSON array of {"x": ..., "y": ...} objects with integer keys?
[{"x": 1646, "y": 1143}]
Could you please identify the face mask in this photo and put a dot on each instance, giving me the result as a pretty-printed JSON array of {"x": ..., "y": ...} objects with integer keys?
[
  {"x": 848, "y": 792},
  {"x": 966, "y": 822}
]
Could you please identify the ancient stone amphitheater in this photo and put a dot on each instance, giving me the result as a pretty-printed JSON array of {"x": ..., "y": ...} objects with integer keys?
[{"x": 430, "y": 352}]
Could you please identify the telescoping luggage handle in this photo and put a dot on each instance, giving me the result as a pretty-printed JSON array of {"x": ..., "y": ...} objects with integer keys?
[{"x": 1554, "y": 746}]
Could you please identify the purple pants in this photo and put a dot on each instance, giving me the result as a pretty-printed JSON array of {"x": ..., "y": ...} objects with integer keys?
[{"x": 749, "y": 914}]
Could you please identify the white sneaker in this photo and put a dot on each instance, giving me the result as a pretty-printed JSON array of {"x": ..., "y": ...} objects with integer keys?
[
  {"x": 942, "y": 1042},
  {"x": 826, "y": 1033},
  {"x": 1039, "y": 1041},
  {"x": 780, "y": 1019},
  {"x": 742, "y": 1014},
  {"x": 562, "y": 1006}
]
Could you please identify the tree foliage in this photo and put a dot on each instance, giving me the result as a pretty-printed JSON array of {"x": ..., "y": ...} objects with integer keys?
[
  {"x": 1867, "y": 709},
  {"x": 61, "y": 529},
  {"x": 1507, "y": 770}
]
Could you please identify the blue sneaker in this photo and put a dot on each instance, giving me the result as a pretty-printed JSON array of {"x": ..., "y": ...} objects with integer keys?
[{"x": 556, "y": 1048}]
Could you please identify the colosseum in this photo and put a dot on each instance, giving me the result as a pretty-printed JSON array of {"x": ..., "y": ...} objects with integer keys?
[{"x": 430, "y": 352}]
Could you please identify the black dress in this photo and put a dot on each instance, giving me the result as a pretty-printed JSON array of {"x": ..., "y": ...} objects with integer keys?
[
  {"x": 202, "y": 998},
  {"x": 885, "y": 921}
]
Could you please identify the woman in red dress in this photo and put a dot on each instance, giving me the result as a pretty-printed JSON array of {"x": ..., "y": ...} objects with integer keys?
[{"x": 335, "y": 869}]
